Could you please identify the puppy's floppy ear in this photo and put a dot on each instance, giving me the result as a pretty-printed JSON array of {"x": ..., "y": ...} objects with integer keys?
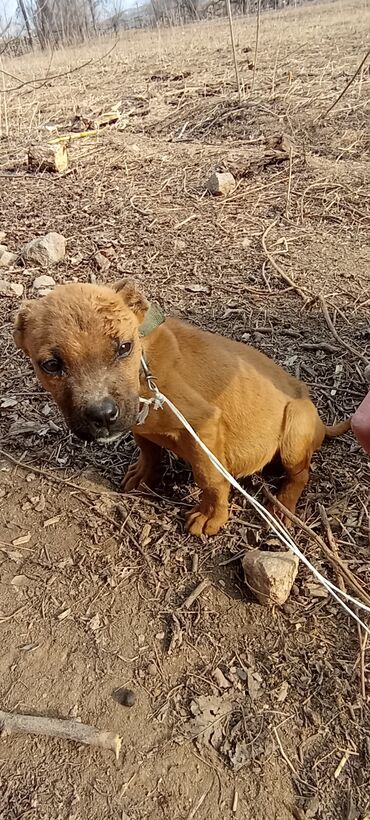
[
  {"x": 20, "y": 325},
  {"x": 132, "y": 297}
]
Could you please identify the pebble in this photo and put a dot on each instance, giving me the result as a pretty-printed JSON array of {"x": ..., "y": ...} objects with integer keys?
[
  {"x": 10, "y": 288},
  {"x": 126, "y": 697},
  {"x": 101, "y": 261},
  {"x": 221, "y": 184},
  {"x": 43, "y": 281},
  {"x": 7, "y": 258}
]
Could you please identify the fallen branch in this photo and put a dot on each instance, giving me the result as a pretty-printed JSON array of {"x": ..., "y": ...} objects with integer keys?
[
  {"x": 342, "y": 93},
  {"x": 196, "y": 593},
  {"x": 332, "y": 543},
  {"x": 338, "y": 564},
  {"x": 43, "y": 80},
  {"x": 305, "y": 294},
  {"x": 52, "y": 727},
  {"x": 335, "y": 333}
]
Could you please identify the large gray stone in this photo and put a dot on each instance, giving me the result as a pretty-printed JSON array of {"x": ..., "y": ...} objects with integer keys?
[{"x": 44, "y": 250}]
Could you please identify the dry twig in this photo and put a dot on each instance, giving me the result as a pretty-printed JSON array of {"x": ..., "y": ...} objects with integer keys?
[
  {"x": 229, "y": 14},
  {"x": 302, "y": 292},
  {"x": 196, "y": 593},
  {"x": 342, "y": 93},
  {"x": 335, "y": 333},
  {"x": 52, "y": 727}
]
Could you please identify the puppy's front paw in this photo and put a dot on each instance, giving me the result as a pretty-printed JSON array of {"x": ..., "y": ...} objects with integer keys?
[
  {"x": 136, "y": 476},
  {"x": 203, "y": 523}
]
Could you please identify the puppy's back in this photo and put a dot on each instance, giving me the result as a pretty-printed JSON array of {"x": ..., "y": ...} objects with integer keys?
[{"x": 221, "y": 352}]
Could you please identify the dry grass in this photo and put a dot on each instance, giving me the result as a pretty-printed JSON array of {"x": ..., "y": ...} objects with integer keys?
[{"x": 270, "y": 264}]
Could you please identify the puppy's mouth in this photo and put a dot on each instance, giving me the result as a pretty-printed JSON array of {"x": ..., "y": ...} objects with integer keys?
[
  {"x": 89, "y": 430},
  {"x": 109, "y": 438}
]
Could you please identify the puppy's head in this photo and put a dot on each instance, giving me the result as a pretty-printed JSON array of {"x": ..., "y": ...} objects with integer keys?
[{"x": 83, "y": 341}]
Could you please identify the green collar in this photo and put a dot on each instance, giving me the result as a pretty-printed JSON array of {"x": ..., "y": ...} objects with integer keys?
[{"x": 153, "y": 318}]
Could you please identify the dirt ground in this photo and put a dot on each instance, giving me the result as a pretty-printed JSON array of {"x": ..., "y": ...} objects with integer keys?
[{"x": 93, "y": 584}]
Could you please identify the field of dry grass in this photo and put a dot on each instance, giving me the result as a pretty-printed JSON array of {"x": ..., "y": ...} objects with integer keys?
[{"x": 93, "y": 584}]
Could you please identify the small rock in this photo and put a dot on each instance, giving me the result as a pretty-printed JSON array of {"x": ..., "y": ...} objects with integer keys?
[
  {"x": 283, "y": 142},
  {"x": 241, "y": 673},
  {"x": 246, "y": 243},
  {"x": 3, "y": 248},
  {"x": 45, "y": 250},
  {"x": 152, "y": 669},
  {"x": 43, "y": 281},
  {"x": 221, "y": 184},
  {"x": 17, "y": 288},
  {"x": 126, "y": 697},
  {"x": 270, "y": 575},
  {"x": 76, "y": 260},
  {"x": 7, "y": 258},
  {"x": 101, "y": 261},
  {"x": 2, "y": 236},
  {"x": 180, "y": 245},
  {"x": 10, "y": 288}
]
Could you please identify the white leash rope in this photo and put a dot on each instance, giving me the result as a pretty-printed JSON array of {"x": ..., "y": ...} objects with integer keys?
[{"x": 159, "y": 400}]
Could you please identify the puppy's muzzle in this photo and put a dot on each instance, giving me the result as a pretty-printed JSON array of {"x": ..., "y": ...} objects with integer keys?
[{"x": 105, "y": 421}]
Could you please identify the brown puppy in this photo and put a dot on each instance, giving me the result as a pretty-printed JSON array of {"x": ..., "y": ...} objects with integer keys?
[{"x": 85, "y": 346}]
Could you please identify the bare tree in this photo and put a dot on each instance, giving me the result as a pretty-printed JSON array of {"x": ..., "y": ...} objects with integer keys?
[{"x": 27, "y": 23}]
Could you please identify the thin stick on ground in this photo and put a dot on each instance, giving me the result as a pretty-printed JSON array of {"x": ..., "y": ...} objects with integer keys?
[
  {"x": 283, "y": 754},
  {"x": 363, "y": 643},
  {"x": 342, "y": 93},
  {"x": 196, "y": 593},
  {"x": 257, "y": 42},
  {"x": 335, "y": 333},
  {"x": 332, "y": 543},
  {"x": 52, "y": 727},
  {"x": 303, "y": 293},
  {"x": 229, "y": 14},
  {"x": 289, "y": 183}
]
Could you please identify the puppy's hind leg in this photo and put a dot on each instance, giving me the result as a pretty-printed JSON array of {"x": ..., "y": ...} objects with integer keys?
[
  {"x": 145, "y": 469},
  {"x": 302, "y": 434}
]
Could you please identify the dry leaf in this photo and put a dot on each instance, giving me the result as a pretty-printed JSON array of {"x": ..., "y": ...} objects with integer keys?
[
  {"x": 94, "y": 624},
  {"x": 206, "y": 725},
  {"x": 254, "y": 685},
  {"x": 10, "y": 402},
  {"x": 64, "y": 614},
  {"x": 144, "y": 537},
  {"x": 220, "y": 679},
  {"x": 50, "y": 521},
  {"x": 13, "y": 555},
  {"x": 19, "y": 581},
  {"x": 23, "y": 539},
  {"x": 283, "y": 691},
  {"x": 198, "y": 288}
]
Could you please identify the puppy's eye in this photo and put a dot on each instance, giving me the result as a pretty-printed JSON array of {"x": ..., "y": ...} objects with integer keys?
[
  {"x": 54, "y": 367},
  {"x": 124, "y": 349}
]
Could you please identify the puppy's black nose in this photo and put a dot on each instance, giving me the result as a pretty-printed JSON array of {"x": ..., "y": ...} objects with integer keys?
[{"x": 103, "y": 413}]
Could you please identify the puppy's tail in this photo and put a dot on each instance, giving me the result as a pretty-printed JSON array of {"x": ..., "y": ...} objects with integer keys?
[{"x": 338, "y": 429}]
